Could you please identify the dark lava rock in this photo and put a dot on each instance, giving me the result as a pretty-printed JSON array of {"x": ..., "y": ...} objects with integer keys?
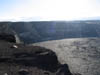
[
  {"x": 8, "y": 37},
  {"x": 36, "y": 60},
  {"x": 42, "y": 58}
]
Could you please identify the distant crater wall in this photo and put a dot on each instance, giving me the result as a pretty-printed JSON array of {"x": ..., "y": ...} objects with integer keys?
[{"x": 32, "y": 32}]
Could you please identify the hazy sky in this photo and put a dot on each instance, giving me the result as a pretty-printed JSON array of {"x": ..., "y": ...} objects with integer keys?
[{"x": 48, "y": 9}]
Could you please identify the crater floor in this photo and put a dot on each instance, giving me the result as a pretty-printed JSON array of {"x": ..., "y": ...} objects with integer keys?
[{"x": 81, "y": 54}]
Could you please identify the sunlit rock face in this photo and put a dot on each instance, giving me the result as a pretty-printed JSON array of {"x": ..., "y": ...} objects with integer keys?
[{"x": 81, "y": 54}]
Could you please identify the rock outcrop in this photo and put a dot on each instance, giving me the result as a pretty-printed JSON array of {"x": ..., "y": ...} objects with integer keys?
[
  {"x": 20, "y": 59},
  {"x": 9, "y": 37}
]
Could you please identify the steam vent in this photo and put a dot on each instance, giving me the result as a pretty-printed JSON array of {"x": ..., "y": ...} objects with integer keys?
[{"x": 20, "y": 59}]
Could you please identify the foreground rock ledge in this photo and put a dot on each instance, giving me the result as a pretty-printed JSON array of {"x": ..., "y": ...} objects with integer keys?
[{"x": 19, "y": 59}]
